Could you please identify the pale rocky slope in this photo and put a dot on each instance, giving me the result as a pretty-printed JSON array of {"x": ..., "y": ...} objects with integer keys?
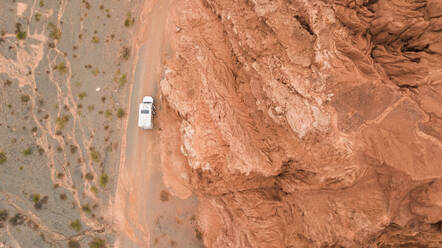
[{"x": 307, "y": 123}]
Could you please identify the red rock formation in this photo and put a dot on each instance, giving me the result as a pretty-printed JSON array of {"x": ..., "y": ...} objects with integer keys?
[{"x": 307, "y": 123}]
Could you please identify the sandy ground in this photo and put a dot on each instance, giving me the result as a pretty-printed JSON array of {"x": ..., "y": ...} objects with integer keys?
[{"x": 147, "y": 212}]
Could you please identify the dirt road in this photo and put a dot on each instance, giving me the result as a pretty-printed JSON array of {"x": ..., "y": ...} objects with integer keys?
[{"x": 143, "y": 216}]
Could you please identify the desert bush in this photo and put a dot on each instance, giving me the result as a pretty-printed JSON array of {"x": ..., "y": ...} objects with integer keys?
[
  {"x": 120, "y": 113},
  {"x": 97, "y": 243},
  {"x": 61, "y": 68},
  {"x": 129, "y": 21},
  {"x": 3, "y": 215},
  {"x": 95, "y": 39},
  {"x": 95, "y": 156},
  {"x": 21, "y": 35},
  {"x": 125, "y": 54},
  {"x": 82, "y": 95},
  {"x": 62, "y": 121},
  {"x": 104, "y": 180},
  {"x": 27, "y": 151},
  {"x": 123, "y": 80},
  {"x": 76, "y": 225},
  {"x": 89, "y": 176},
  {"x": 54, "y": 31},
  {"x": 25, "y": 98},
  {"x": 3, "y": 157},
  {"x": 108, "y": 113},
  {"x": 73, "y": 244},
  {"x": 37, "y": 17}
]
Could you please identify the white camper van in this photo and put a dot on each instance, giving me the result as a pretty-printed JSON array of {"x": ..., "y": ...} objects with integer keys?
[{"x": 146, "y": 112}]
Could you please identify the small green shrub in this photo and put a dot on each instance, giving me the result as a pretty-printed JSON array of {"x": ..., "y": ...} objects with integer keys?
[
  {"x": 62, "y": 121},
  {"x": 25, "y": 98},
  {"x": 76, "y": 225},
  {"x": 89, "y": 176},
  {"x": 73, "y": 244},
  {"x": 61, "y": 68},
  {"x": 103, "y": 180},
  {"x": 94, "y": 190},
  {"x": 54, "y": 31},
  {"x": 95, "y": 40},
  {"x": 120, "y": 113},
  {"x": 97, "y": 243},
  {"x": 123, "y": 80},
  {"x": 95, "y": 71},
  {"x": 95, "y": 156},
  {"x": 42, "y": 3},
  {"x": 129, "y": 21},
  {"x": 27, "y": 151},
  {"x": 37, "y": 17},
  {"x": 125, "y": 54},
  {"x": 3, "y": 157},
  {"x": 108, "y": 113},
  {"x": 82, "y": 95},
  {"x": 21, "y": 35},
  {"x": 86, "y": 209},
  {"x": 35, "y": 198}
]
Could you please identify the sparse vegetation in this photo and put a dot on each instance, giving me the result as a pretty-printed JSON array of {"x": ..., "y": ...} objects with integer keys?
[
  {"x": 129, "y": 21},
  {"x": 8, "y": 82},
  {"x": 103, "y": 180},
  {"x": 42, "y": 3},
  {"x": 37, "y": 17},
  {"x": 35, "y": 198},
  {"x": 86, "y": 209},
  {"x": 95, "y": 156},
  {"x": 3, "y": 157},
  {"x": 41, "y": 151},
  {"x": 125, "y": 54},
  {"x": 74, "y": 149},
  {"x": 3, "y": 215},
  {"x": 76, "y": 225},
  {"x": 54, "y": 31},
  {"x": 108, "y": 113},
  {"x": 61, "y": 68},
  {"x": 123, "y": 80},
  {"x": 164, "y": 196},
  {"x": 27, "y": 151},
  {"x": 62, "y": 121},
  {"x": 21, "y": 35},
  {"x": 25, "y": 98},
  {"x": 73, "y": 244},
  {"x": 82, "y": 95},
  {"x": 94, "y": 190},
  {"x": 97, "y": 243},
  {"x": 95, "y": 71},
  {"x": 18, "y": 219},
  {"x": 95, "y": 39},
  {"x": 90, "y": 108},
  {"x": 120, "y": 113},
  {"x": 89, "y": 176},
  {"x": 63, "y": 196},
  {"x": 38, "y": 203}
]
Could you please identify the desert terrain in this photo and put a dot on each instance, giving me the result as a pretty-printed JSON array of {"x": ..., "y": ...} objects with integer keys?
[
  {"x": 64, "y": 85},
  {"x": 286, "y": 123}
]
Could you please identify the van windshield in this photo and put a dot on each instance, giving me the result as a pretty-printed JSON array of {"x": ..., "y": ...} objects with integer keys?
[{"x": 145, "y": 111}]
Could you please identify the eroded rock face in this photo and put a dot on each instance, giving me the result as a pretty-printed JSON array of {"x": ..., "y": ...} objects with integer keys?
[{"x": 307, "y": 123}]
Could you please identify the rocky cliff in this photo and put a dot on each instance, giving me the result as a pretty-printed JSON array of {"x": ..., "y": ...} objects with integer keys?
[{"x": 307, "y": 123}]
